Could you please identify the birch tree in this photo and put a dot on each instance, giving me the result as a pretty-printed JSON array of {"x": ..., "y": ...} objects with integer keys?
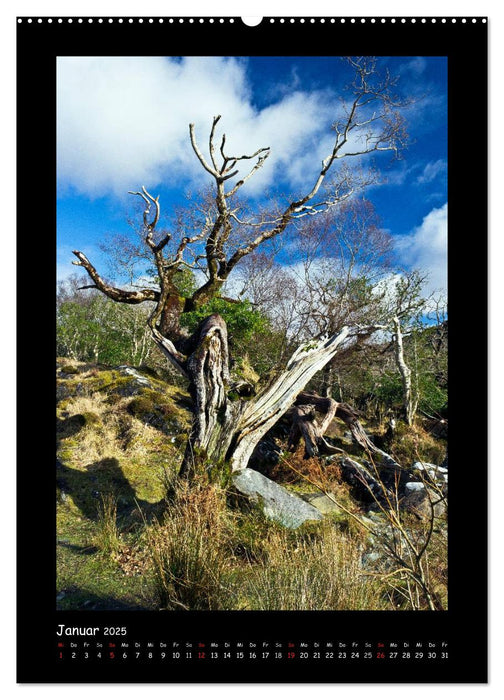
[{"x": 407, "y": 306}]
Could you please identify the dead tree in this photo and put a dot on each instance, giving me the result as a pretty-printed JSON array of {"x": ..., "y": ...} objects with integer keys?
[
  {"x": 227, "y": 429},
  {"x": 306, "y": 426},
  {"x": 380, "y": 472}
]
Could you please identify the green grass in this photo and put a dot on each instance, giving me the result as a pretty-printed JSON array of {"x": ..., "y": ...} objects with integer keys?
[
  {"x": 131, "y": 536},
  {"x": 87, "y": 577}
]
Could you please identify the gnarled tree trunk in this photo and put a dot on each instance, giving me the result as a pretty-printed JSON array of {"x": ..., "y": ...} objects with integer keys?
[
  {"x": 226, "y": 430},
  {"x": 215, "y": 416}
]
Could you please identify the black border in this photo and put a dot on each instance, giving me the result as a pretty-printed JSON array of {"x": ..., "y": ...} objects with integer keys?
[{"x": 464, "y": 625}]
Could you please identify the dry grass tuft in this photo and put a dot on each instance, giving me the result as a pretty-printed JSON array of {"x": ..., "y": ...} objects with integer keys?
[
  {"x": 107, "y": 538},
  {"x": 318, "y": 573},
  {"x": 412, "y": 441},
  {"x": 188, "y": 551}
]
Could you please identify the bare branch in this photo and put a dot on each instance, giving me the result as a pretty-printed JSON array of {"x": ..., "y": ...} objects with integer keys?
[
  {"x": 211, "y": 146},
  {"x": 122, "y": 295},
  {"x": 235, "y": 159},
  {"x": 230, "y": 175},
  {"x": 162, "y": 243},
  {"x": 149, "y": 200},
  {"x": 223, "y": 143},
  {"x": 245, "y": 157},
  {"x": 262, "y": 222},
  {"x": 260, "y": 162},
  {"x": 177, "y": 260},
  {"x": 200, "y": 155},
  {"x": 177, "y": 359}
]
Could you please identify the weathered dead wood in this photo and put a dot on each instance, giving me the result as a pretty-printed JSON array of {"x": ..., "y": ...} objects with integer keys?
[
  {"x": 208, "y": 371},
  {"x": 263, "y": 412},
  {"x": 226, "y": 430},
  {"x": 122, "y": 295},
  {"x": 331, "y": 409},
  {"x": 350, "y": 417},
  {"x": 305, "y": 425}
]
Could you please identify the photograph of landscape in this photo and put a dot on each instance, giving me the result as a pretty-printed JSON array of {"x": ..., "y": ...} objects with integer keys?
[{"x": 252, "y": 333}]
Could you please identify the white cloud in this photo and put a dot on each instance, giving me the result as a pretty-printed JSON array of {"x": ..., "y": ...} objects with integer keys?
[
  {"x": 431, "y": 171},
  {"x": 416, "y": 66},
  {"x": 123, "y": 121},
  {"x": 426, "y": 248}
]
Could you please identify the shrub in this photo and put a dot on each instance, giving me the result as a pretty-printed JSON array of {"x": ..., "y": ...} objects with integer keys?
[{"x": 242, "y": 320}]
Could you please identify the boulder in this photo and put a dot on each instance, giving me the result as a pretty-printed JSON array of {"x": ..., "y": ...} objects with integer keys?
[
  {"x": 276, "y": 502},
  {"x": 432, "y": 470},
  {"x": 137, "y": 383},
  {"x": 265, "y": 455},
  {"x": 321, "y": 502},
  {"x": 365, "y": 486},
  {"x": 62, "y": 391},
  {"x": 412, "y": 486},
  {"x": 417, "y": 500}
]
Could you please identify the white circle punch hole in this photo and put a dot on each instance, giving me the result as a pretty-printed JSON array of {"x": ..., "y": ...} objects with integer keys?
[{"x": 251, "y": 21}]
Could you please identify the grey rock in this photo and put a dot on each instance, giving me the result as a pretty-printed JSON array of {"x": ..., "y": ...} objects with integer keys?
[
  {"x": 370, "y": 558},
  {"x": 367, "y": 488},
  {"x": 132, "y": 372},
  {"x": 427, "y": 467},
  {"x": 62, "y": 391},
  {"x": 419, "y": 502},
  {"x": 424, "y": 466},
  {"x": 138, "y": 382},
  {"x": 321, "y": 502},
  {"x": 371, "y": 520},
  {"x": 438, "y": 474},
  {"x": 276, "y": 502},
  {"x": 413, "y": 486}
]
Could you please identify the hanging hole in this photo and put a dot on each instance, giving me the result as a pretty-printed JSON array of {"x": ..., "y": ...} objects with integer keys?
[{"x": 251, "y": 21}]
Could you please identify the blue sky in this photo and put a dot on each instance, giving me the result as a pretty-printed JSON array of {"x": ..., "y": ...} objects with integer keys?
[{"x": 123, "y": 123}]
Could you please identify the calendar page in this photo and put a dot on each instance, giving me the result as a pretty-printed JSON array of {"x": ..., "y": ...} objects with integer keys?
[{"x": 248, "y": 225}]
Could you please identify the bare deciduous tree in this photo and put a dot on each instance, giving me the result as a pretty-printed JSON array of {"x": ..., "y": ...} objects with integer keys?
[
  {"x": 407, "y": 303},
  {"x": 346, "y": 256},
  {"x": 227, "y": 429}
]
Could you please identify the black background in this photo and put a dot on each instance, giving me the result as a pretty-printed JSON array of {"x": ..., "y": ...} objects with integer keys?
[{"x": 464, "y": 625}]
